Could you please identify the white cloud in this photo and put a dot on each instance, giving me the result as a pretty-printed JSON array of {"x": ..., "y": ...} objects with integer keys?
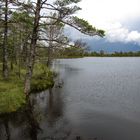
[
  {"x": 117, "y": 33},
  {"x": 108, "y": 15},
  {"x": 134, "y": 36},
  {"x": 97, "y": 11}
]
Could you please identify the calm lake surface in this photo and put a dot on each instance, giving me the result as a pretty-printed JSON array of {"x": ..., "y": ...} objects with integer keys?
[{"x": 94, "y": 98}]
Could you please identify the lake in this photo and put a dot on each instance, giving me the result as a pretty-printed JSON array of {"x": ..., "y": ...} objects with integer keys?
[{"x": 94, "y": 98}]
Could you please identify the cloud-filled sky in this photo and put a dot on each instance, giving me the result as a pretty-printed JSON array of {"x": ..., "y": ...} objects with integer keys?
[
  {"x": 117, "y": 17},
  {"x": 109, "y": 10}
]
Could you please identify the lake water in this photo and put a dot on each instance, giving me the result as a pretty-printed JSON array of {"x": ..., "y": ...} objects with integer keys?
[{"x": 94, "y": 98}]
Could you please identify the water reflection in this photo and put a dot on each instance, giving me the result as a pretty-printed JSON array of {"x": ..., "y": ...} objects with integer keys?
[
  {"x": 21, "y": 125},
  {"x": 40, "y": 119},
  {"x": 55, "y": 125},
  {"x": 32, "y": 122},
  {"x": 6, "y": 126},
  {"x": 54, "y": 107}
]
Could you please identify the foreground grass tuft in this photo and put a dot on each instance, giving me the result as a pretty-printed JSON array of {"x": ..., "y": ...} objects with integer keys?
[{"x": 11, "y": 95}]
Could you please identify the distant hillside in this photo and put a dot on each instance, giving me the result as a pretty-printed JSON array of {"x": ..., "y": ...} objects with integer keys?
[
  {"x": 102, "y": 44},
  {"x": 97, "y": 45}
]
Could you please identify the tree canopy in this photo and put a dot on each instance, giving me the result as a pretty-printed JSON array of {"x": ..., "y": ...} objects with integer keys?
[{"x": 25, "y": 25}]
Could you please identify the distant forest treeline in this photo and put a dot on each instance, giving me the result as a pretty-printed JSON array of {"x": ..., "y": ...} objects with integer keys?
[
  {"x": 82, "y": 51},
  {"x": 114, "y": 54}
]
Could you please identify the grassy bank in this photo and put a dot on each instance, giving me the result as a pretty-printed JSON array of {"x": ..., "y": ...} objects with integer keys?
[
  {"x": 11, "y": 95},
  {"x": 42, "y": 78},
  {"x": 11, "y": 91}
]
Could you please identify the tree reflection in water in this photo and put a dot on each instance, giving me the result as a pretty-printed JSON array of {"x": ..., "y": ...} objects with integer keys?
[
  {"x": 22, "y": 124},
  {"x": 42, "y": 118}
]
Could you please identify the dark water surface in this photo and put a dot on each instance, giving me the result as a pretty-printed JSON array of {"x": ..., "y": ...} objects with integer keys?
[{"x": 94, "y": 98}]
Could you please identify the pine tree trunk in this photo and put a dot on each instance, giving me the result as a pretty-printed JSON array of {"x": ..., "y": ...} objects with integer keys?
[
  {"x": 31, "y": 59},
  {"x": 49, "y": 55},
  {"x": 50, "y": 46},
  {"x": 5, "y": 45}
]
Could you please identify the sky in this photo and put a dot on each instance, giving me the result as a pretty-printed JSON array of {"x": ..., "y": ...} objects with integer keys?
[{"x": 119, "y": 18}]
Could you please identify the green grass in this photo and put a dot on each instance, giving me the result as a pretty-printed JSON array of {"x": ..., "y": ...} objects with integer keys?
[
  {"x": 42, "y": 78},
  {"x": 12, "y": 96}
]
